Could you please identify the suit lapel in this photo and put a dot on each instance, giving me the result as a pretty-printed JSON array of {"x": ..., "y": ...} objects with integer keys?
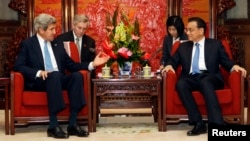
[
  {"x": 71, "y": 36},
  {"x": 207, "y": 51},
  {"x": 189, "y": 54},
  {"x": 54, "y": 46},
  {"x": 38, "y": 50}
]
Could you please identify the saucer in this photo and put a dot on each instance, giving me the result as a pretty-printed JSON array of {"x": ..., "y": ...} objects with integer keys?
[
  {"x": 147, "y": 76},
  {"x": 106, "y": 76},
  {"x": 100, "y": 76}
]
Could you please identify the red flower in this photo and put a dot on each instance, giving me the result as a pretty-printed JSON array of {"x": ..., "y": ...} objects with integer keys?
[
  {"x": 124, "y": 52},
  {"x": 107, "y": 48},
  {"x": 146, "y": 56}
]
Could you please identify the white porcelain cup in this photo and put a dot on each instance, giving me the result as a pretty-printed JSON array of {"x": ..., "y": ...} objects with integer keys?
[
  {"x": 146, "y": 71},
  {"x": 106, "y": 71}
]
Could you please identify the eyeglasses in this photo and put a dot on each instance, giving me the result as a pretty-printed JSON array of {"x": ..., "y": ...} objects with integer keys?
[{"x": 191, "y": 29}]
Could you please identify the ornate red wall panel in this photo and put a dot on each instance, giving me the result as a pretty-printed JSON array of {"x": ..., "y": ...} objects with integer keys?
[
  {"x": 52, "y": 7},
  {"x": 151, "y": 14},
  {"x": 198, "y": 8}
]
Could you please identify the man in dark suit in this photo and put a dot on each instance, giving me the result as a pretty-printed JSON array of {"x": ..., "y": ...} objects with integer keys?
[
  {"x": 43, "y": 62},
  {"x": 200, "y": 59},
  {"x": 85, "y": 44}
]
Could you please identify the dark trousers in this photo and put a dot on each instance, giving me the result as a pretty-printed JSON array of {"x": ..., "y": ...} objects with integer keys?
[
  {"x": 54, "y": 85},
  {"x": 207, "y": 84}
]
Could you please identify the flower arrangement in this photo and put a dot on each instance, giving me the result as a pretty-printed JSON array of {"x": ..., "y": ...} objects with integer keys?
[{"x": 122, "y": 43}]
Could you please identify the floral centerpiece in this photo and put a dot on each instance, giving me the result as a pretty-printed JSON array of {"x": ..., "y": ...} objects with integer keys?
[{"x": 123, "y": 36}]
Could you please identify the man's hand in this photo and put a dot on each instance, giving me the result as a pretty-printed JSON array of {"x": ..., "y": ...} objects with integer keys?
[
  {"x": 161, "y": 67},
  {"x": 44, "y": 74},
  {"x": 167, "y": 68},
  {"x": 237, "y": 68},
  {"x": 101, "y": 58}
]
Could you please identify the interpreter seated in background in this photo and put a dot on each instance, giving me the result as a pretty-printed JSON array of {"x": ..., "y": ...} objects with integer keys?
[{"x": 175, "y": 32}]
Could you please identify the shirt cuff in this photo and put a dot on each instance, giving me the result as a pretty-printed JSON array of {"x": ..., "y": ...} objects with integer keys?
[
  {"x": 38, "y": 73},
  {"x": 91, "y": 66}
]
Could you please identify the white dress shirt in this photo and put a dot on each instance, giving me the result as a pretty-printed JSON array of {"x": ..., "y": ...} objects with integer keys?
[{"x": 202, "y": 65}]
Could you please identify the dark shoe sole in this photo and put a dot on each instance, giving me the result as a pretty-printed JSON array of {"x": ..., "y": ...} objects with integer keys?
[
  {"x": 196, "y": 134},
  {"x": 51, "y": 135}
]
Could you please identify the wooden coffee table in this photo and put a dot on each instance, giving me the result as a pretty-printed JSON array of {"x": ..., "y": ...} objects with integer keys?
[{"x": 127, "y": 95}]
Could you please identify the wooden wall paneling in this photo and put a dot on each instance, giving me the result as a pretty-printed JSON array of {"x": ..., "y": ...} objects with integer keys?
[
  {"x": 242, "y": 30},
  {"x": 65, "y": 16},
  {"x": 174, "y": 7},
  {"x": 56, "y": 8},
  {"x": 213, "y": 18},
  {"x": 30, "y": 17},
  {"x": 201, "y": 8},
  {"x": 72, "y": 6}
]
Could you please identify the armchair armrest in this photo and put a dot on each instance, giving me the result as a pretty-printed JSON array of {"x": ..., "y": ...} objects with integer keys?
[
  {"x": 17, "y": 88},
  {"x": 169, "y": 82},
  {"x": 236, "y": 84},
  {"x": 235, "y": 78},
  {"x": 87, "y": 81}
]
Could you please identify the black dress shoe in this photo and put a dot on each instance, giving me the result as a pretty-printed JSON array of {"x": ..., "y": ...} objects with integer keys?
[
  {"x": 199, "y": 128},
  {"x": 78, "y": 131},
  {"x": 57, "y": 132}
]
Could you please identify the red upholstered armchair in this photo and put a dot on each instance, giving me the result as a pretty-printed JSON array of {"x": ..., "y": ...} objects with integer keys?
[
  {"x": 31, "y": 106},
  {"x": 231, "y": 97}
]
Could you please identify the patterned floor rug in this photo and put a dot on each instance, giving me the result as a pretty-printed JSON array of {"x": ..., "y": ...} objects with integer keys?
[{"x": 121, "y": 128}]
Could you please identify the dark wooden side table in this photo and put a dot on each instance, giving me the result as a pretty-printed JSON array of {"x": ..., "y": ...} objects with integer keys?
[
  {"x": 124, "y": 95},
  {"x": 4, "y": 86}
]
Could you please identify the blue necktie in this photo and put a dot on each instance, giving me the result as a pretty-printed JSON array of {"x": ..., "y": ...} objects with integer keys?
[
  {"x": 47, "y": 59},
  {"x": 195, "y": 65}
]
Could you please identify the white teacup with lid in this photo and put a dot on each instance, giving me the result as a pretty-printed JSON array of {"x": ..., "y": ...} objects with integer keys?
[
  {"x": 106, "y": 71},
  {"x": 147, "y": 71}
]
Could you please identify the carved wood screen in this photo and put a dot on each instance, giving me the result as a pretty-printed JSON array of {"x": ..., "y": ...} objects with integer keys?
[{"x": 56, "y": 8}]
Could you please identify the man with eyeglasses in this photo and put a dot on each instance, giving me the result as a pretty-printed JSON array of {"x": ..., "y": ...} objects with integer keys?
[
  {"x": 84, "y": 43},
  {"x": 200, "y": 58}
]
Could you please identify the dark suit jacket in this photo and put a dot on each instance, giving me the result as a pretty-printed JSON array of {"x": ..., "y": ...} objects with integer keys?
[
  {"x": 167, "y": 46},
  {"x": 215, "y": 56},
  {"x": 88, "y": 45},
  {"x": 30, "y": 59}
]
